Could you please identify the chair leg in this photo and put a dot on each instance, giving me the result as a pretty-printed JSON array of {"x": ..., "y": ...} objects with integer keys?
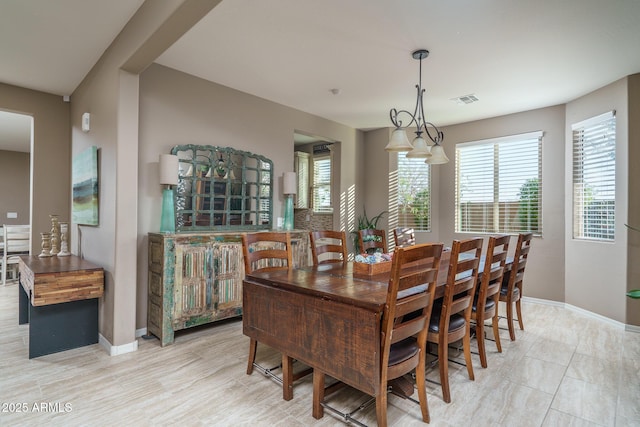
[
  {"x": 422, "y": 388},
  {"x": 519, "y": 311},
  {"x": 287, "y": 377},
  {"x": 318, "y": 394},
  {"x": 443, "y": 361},
  {"x": 253, "y": 345},
  {"x": 381, "y": 407},
  {"x": 480, "y": 339},
  {"x": 496, "y": 331},
  {"x": 512, "y": 332},
  {"x": 466, "y": 343}
]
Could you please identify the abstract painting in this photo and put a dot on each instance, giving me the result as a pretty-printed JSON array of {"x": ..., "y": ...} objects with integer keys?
[{"x": 85, "y": 187}]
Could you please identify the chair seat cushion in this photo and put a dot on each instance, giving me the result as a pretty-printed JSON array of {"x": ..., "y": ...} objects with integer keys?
[
  {"x": 456, "y": 321},
  {"x": 403, "y": 350},
  {"x": 516, "y": 292},
  {"x": 488, "y": 306}
]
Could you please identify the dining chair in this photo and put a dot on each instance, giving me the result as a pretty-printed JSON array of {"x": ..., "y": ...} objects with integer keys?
[
  {"x": 403, "y": 236},
  {"x": 268, "y": 251},
  {"x": 404, "y": 323},
  {"x": 16, "y": 242},
  {"x": 511, "y": 291},
  {"x": 485, "y": 304},
  {"x": 372, "y": 240},
  {"x": 451, "y": 315},
  {"x": 328, "y": 246}
]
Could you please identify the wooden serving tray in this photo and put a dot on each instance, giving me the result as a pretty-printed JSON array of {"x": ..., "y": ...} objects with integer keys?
[{"x": 364, "y": 269}]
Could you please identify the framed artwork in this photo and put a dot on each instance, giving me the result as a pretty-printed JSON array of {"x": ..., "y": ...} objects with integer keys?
[{"x": 85, "y": 187}]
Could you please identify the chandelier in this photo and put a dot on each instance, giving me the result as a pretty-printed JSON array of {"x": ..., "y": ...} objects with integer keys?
[{"x": 419, "y": 148}]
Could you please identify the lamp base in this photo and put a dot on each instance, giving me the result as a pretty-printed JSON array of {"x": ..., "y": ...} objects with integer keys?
[
  {"x": 288, "y": 212},
  {"x": 168, "y": 218}
]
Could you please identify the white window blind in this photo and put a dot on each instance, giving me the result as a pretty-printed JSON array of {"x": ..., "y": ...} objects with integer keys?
[
  {"x": 594, "y": 178},
  {"x": 414, "y": 193},
  {"x": 322, "y": 184},
  {"x": 499, "y": 185}
]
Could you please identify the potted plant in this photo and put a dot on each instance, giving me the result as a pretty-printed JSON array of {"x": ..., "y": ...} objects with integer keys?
[{"x": 364, "y": 222}]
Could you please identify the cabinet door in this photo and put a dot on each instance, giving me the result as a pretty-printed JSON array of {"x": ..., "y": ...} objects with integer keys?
[{"x": 301, "y": 166}]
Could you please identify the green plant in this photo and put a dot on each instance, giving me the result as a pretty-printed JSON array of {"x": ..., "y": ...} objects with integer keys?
[
  {"x": 365, "y": 222},
  {"x": 528, "y": 211},
  {"x": 420, "y": 209}
]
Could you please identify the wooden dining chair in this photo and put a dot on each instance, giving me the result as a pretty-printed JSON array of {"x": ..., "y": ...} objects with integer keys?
[
  {"x": 511, "y": 291},
  {"x": 451, "y": 315},
  {"x": 404, "y": 325},
  {"x": 403, "y": 236},
  {"x": 16, "y": 242},
  {"x": 373, "y": 240},
  {"x": 485, "y": 304},
  {"x": 265, "y": 251},
  {"x": 328, "y": 246}
]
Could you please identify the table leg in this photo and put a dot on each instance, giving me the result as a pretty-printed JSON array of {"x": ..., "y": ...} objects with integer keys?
[{"x": 23, "y": 306}]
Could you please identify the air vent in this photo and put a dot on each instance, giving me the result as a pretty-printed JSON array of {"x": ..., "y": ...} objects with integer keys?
[{"x": 465, "y": 99}]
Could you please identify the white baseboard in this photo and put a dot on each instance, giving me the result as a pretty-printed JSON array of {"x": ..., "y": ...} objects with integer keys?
[
  {"x": 115, "y": 350},
  {"x": 140, "y": 332},
  {"x": 543, "y": 301},
  {"x": 614, "y": 323}
]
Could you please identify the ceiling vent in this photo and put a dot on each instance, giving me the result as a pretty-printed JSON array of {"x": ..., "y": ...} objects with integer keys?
[{"x": 465, "y": 99}]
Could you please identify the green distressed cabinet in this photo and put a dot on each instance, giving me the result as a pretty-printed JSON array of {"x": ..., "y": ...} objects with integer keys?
[{"x": 196, "y": 278}]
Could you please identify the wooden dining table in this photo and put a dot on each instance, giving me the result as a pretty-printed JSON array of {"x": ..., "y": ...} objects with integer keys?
[{"x": 327, "y": 317}]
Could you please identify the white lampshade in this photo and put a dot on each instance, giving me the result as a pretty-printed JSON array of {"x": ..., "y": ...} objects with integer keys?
[
  {"x": 289, "y": 184},
  {"x": 437, "y": 156},
  {"x": 420, "y": 149},
  {"x": 168, "y": 169},
  {"x": 399, "y": 141}
]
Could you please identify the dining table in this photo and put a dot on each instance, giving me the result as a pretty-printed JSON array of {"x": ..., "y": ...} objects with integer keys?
[{"x": 326, "y": 316}]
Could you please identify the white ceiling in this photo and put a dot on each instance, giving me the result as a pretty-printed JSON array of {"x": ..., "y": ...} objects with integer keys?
[{"x": 512, "y": 55}]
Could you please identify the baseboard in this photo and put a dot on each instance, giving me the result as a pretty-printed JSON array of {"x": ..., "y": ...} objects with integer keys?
[
  {"x": 140, "y": 332},
  {"x": 614, "y": 323},
  {"x": 593, "y": 315},
  {"x": 632, "y": 328},
  {"x": 115, "y": 350},
  {"x": 542, "y": 301}
]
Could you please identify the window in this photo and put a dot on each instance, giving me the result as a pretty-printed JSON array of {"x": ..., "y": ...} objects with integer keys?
[
  {"x": 322, "y": 184},
  {"x": 499, "y": 185},
  {"x": 414, "y": 193},
  {"x": 594, "y": 178}
]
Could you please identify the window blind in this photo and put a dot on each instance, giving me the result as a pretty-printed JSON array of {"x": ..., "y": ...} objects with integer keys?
[
  {"x": 322, "y": 184},
  {"x": 594, "y": 178},
  {"x": 499, "y": 185},
  {"x": 414, "y": 193}
]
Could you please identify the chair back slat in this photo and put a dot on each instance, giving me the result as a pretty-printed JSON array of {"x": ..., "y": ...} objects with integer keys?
[
  {"x": 495, "y": 259},
  {"x": 266, "y": 251},
  {"x": 328, "y": 246},
  {"x": 372, "y": 240},
  {"x": 404, "y": 236}
]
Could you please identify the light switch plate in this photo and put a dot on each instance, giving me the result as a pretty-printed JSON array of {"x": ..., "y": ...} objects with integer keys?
[{"x": 12, "y": 215}]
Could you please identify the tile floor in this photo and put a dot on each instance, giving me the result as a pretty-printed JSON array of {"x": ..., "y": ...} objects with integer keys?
[{"x": 565, "y": 369}]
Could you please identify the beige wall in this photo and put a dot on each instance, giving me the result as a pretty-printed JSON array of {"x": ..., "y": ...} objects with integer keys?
[
  {"x": 50, "y": 156},
  {"x": 545, "y": 269},
  {"x": 595, "y": 277},
  {"x": 110, "y": 94},
  {"x": 176, "y": 108},
  {"x": 14, "y": 186}
]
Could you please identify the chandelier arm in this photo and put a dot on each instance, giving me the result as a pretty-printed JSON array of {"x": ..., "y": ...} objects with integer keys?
[
  {"x": 439, "y": 136},
  {"x": 394, "y": 115}
]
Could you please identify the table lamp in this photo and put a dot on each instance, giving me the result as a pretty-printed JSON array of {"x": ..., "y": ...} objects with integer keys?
[
  {"x": 168, "y": 177},
  {"x": 289, "y": 186}
]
